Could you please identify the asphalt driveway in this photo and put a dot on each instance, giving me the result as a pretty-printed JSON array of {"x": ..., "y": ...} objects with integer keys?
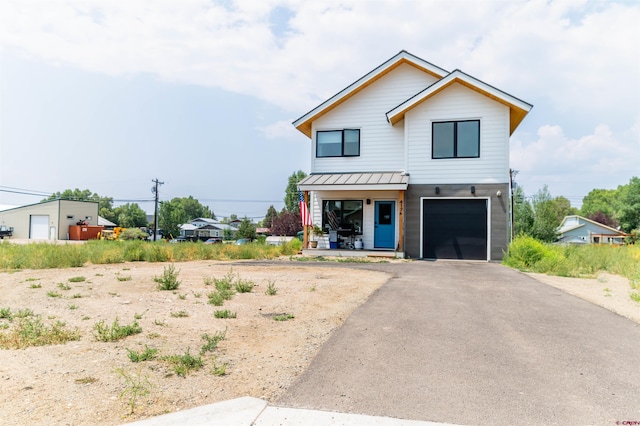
[{"x": 476, "y": 343}]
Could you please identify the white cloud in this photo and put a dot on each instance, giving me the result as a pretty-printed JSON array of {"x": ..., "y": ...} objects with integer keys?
[
  {"x": 572, "y": 167},
  {"x": 579, "y": 59},
  {"x": 571, "y": 51}
]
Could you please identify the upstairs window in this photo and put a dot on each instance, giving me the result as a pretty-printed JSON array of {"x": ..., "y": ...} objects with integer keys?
[
  {"x": 456, "y": 139},
  {"x": 338, "y": 143}
]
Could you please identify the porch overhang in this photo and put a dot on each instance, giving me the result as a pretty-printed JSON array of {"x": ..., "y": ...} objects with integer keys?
[{"x": 383, "y": 181}]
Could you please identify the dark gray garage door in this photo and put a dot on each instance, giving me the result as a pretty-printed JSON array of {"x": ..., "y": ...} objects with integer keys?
[{"x": 454, "y": 229}]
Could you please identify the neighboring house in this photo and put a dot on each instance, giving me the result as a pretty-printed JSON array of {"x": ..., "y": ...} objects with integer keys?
[
  {"x": 580, "y": 230},
  {"x": 187, "y": 230},
  {"x": 202, "y": 221},
  {"x": 49, "y": 220},
  {"x": 204, "y": 228},
  {"x": 215, "y": 231},
  {"x": 415, "y": 159}
]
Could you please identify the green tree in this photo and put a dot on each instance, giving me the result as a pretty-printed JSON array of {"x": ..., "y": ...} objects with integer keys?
[
  {"x": 130, "y": 216},
  {"x": 105, "y": 204},
  {"x": 171, "y": 215},
  {"x": 178, "y": 211},
  {"x": 545, "y": 221},
  {"x": 629, "y": 208},
  {"x": 228, "y": 233},
  {"x": 291, "y": 197},
  {"x": 247, "y": 229},
  {"x": 600, "y": 201},
  {"x": 193, "y": 209},
  {"x": 271, "y": 215},
  {"x": 522, "y": 213},
  {"x": 563, "y": 208}
]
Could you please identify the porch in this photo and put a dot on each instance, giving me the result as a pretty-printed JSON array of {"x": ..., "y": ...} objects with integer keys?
[{"x": 374, "y": 254}]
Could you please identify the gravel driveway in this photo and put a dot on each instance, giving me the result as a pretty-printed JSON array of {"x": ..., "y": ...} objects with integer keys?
[{"x": 476, "y": 343}]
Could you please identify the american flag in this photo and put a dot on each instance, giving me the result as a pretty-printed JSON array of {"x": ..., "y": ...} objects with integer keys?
[{"x": 304, "y": 211}]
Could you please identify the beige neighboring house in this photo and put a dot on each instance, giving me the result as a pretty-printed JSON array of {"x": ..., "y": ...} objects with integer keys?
[{"x": 49, "y": 220}]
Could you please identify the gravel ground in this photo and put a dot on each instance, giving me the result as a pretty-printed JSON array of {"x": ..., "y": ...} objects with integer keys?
[{"x": 77, "y": 383}]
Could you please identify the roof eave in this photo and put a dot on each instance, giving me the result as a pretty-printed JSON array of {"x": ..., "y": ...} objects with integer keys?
[
  {"x": 303, "y": 124},
  {"x": 518, "y": 109}
]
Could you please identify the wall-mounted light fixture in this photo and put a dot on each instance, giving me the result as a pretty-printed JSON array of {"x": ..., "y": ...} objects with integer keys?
[
  {"x": 499, "y": 193},
  {"x": 437, "y": 189},
  {"x": 368, "y": 200},
  {"x": 473, "y": 189}
]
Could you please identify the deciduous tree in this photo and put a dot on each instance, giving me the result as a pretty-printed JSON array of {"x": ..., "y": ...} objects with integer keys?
[
  {"x": 130, "y": 216},
  {"x": 287, "y": 223},
  {"x": 247, "y": 229},
  {"x": 629, "y": 210},
  {"x": 271, "y": 215},
  {"x": 105, "y": 204},
  {"x": 291, "y": 197}
]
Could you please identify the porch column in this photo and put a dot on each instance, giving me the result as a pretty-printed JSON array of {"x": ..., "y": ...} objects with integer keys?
[
  {"x": 401, "y": 221},
  {"x": 305, "y": 228}
]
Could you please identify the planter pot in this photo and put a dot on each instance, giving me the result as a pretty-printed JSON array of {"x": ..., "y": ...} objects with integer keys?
[{"x": 313, "y": 244}]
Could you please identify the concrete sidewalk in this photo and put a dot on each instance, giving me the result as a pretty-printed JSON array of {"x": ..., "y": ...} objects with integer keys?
[{"x": 248, "y": 411}]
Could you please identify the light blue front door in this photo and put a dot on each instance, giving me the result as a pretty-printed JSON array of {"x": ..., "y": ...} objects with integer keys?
[{"x": 384, "y": 234}]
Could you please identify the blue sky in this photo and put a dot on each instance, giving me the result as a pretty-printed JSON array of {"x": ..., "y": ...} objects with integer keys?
[{"x": 107, "y": 96}]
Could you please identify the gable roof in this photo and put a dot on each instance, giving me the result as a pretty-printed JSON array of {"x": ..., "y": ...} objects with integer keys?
[
  {"x": 518, "y": 109},
  {"x": 303, "y": 123},
  {"x": 563, "y": 228}
]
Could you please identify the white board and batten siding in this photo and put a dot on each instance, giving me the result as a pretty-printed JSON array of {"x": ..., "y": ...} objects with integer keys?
[
  {"x": 381, "y": 145},
  {"x": 458, "y": 102}
]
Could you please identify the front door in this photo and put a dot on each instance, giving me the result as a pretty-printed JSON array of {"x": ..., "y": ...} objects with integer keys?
[{"x": 384, "y": 234}]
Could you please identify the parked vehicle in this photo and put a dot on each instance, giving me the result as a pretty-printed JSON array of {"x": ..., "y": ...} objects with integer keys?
[
  {"x": 213, "y": 241},
  {"x": 242, "y": 241},
  {"x": 5, "y": 232},
  {"x": 179, "y": 240}
]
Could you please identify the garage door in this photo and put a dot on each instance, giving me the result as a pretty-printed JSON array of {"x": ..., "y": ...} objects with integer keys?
[
  {"x": 454, "y": 229},
  {"x": 39, "y": 227}
]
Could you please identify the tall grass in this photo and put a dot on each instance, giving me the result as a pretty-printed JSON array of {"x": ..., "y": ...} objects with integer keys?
[
  {"x": 529, "y": 254},
  {"x": 44, "y": 255}
]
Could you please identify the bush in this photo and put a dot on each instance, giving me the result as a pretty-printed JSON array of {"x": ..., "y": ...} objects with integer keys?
[
  {"x": 169, "y": 279},
  {"x": 524, "y": 252},
  {"x": 105, "y": 333},
  {"x": 528, "y": 254}
]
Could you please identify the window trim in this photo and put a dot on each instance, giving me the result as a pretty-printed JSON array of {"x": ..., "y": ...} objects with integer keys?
[
  {"x": 455, "y": 138},
  {"x": 342, "y": 143}
]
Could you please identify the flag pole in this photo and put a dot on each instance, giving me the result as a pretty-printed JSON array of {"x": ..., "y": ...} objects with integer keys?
[{"x": 305, "y": 242}]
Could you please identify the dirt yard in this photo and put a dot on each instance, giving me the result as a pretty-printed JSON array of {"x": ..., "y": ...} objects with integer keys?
[{"x": 77, "y": 383}]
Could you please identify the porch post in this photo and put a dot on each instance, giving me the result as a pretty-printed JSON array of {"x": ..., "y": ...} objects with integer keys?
[
  {"x": 401, "y": 222},
  {"x": 305, "y": 228}
]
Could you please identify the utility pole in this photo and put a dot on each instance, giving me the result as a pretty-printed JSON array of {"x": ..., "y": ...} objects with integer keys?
[
  {"x": 512, "y": 174},
  {"x": 155, "y": 216}
]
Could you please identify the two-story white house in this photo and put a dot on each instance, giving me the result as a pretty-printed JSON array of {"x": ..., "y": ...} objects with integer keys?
[{"x": 415, "y": 159}]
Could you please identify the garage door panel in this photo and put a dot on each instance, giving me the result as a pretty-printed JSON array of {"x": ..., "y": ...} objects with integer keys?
[{"x": 455, "y": 229}]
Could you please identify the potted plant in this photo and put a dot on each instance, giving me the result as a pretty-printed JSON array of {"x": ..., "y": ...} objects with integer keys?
[{"x": 317, "y": 233}]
